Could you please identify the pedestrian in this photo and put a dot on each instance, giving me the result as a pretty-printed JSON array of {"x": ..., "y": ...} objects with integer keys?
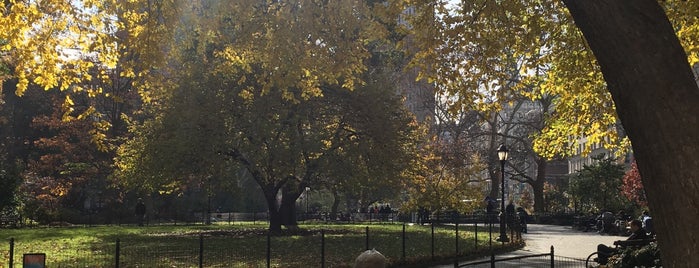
[
  {"x": 510, "y": 215},
  {"x": 490, "y": 208},
  {"x": 522, "y": 215},
  {"x": 140, "y": 212}
]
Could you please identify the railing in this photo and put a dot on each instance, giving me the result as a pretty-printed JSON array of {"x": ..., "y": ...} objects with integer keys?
[{"x": 530, "y": 261}]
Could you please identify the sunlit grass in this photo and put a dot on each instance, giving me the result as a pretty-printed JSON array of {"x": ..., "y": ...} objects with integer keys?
[{"x": 238, "y": 245}]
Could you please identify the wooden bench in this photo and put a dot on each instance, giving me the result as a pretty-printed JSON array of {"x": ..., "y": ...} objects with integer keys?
[
  {"x": 8, "y": 220},
  {"x": 633, "y": 243},
  {"x": 620, "y": 245}
]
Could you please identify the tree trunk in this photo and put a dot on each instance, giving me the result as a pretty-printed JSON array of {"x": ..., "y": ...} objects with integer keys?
[
  {"x": 284, "y": 212},
  {"x": 287, "y": 212},
  {"x": 287, "y": 208},
  {"x": 538, "y": 184},
  {"x": 657, "y": 100},
  {"x": 336, "y": 204},
  {"x": 275, "y": 219},
  {"x": 493, "y": 162}
]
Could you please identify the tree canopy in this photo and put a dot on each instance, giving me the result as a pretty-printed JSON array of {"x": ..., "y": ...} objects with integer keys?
[
  {"x": 598, "y": 186},
  {"x": 288, "y": 54},
  {"x": 479, "y": 51},
  {"x": 288, "y": 94}
]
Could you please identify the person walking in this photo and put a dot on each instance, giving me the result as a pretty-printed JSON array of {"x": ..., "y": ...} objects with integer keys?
[
  {"x": 522, "y": 215},
  {"x": 140, "y": 212},
  {"x": 510, "y": 216}
]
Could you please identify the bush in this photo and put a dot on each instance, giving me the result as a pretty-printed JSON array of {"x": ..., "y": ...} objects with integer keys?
[{"x": 647, "y": 256}]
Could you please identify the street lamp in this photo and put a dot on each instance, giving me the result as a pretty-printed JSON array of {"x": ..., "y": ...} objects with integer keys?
[
  {"x": 308, "y": 189},
  {"x": 502, "y": 155}
]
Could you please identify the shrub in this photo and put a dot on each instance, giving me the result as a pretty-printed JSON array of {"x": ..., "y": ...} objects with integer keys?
[{"x": 647, "y": 256}]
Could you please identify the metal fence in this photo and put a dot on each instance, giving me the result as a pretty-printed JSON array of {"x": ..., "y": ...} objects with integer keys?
[
  {"x": 327, "y": 248},
  {"x": 544, "y": 260}
]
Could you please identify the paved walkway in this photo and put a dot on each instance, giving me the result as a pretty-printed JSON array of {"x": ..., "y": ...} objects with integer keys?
[{"x": 566, "y": 242}]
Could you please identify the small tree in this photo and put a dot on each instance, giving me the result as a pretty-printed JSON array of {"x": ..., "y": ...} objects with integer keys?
[
  {"x": 597, "y": 186},
  {"x": 632, "y": 186},
  {"x": 527, "y": 200},
  {"x": 555, "y": 199},
  {"x": 445, "y": 178}
]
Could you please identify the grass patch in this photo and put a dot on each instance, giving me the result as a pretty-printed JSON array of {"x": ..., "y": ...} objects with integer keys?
[{"x": 240, "y": 245}]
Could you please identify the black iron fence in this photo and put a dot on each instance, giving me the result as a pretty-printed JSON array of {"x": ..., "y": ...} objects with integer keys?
[
  {"x": 544, "y": 260},
  {"x": 327, "y": 248}
]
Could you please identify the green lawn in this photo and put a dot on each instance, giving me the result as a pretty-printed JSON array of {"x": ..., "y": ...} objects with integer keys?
[{"x": 238, "y": 245}]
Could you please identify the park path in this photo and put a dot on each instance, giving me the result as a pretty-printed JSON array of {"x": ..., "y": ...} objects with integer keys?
[{"x": 566, "y": 242}]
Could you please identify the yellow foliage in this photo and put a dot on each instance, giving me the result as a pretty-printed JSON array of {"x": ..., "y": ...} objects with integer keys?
[
  {"x": 47, "y": 41},
  {"x": 483, "y": 52}
]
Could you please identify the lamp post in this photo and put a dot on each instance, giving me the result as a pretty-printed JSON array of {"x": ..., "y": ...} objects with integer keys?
[
  {"x": 308, "y": 189},
  {"x": 502, "y": 155}
]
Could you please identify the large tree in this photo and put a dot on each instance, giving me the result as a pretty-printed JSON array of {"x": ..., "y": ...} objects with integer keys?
[
  {"x": 526, "y": 119},
  {"x": 645, "y": 68},
  {"x": 284, "y": 95},
  {"x": 656, "y": 96}
]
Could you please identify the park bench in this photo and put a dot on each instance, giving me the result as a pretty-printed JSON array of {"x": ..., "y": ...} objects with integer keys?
[
  {"x": 8, "y": 220},
  {"x": 619, "y": 246}
]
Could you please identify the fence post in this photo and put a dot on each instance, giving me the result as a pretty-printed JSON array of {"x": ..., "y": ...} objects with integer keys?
[
  {"x": 457, "y": 239},
  {"x": 432, "y": 227},
  {"x": 269, "y": 249},
  {"x": 456, "y": 257},
  {"x": 117, "y": 253},
  {"x": 475, "y": 237},
  {"x": 201, "y": 250},
  {"x": 322, "y": 248},
  {"x": 367, "y": 238},
  {"x": 12, "y": 251},
  {"x": 403, "y": 257},
  {"x": 552, "y": 262},
  {"x": 492, "y": 259}
]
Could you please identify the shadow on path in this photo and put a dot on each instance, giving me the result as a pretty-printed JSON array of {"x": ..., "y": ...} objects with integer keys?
[{"x": 571, "y": 247}]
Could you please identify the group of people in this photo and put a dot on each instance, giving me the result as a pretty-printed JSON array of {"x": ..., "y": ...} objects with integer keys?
[
  {"x": 516, "y": 218},
  {"x": 383, "y": 209},
  {"x": 641, "y": 230},
  {"x": 609, "y": 223}
]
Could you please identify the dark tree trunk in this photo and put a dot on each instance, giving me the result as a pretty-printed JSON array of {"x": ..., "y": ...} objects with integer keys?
[
  {"x": 495, "y": 179},
  {"x": 657, "y": 100},
  {"x": 287, "y": 211},
  {"x": 336, "y": 204},
  {"x": 281, "y": 213},
  {"x": 493, "y": 162},
  {"x": 538, "y": 184},
  {"x": 287, "y": 208},
  {"x": 275, "y": 219}
]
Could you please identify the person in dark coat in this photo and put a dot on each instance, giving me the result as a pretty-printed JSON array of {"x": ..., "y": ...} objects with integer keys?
[
  {"x": 522, "y": 215},
  {"x": 140, "y": 212},
  {"x": 490, "y": 208},
  {"x": 638, "y": 233},
  {"x": 510, "y": 215}
]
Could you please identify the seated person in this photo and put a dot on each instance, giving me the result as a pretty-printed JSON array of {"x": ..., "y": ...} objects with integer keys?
[
  {"x": 605, "y": 222},
  {"x": 647, "y": 221},
  {"x": 637, "y": 233}
]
